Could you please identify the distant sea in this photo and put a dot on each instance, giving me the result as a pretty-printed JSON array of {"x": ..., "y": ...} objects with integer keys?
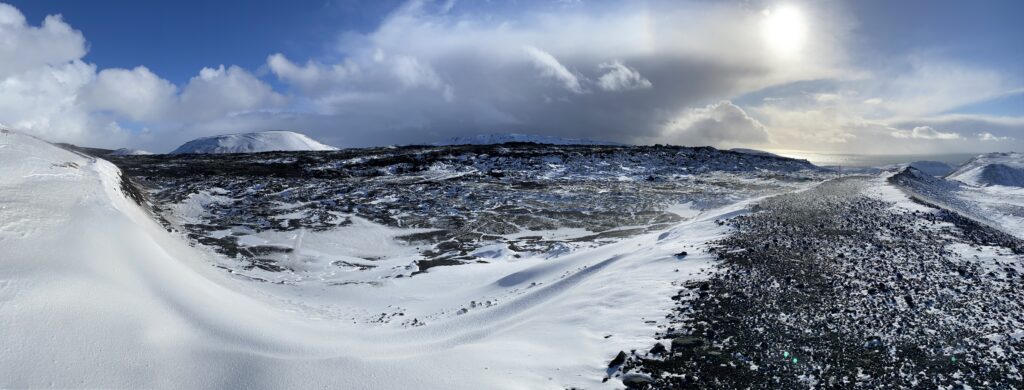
[{"x": 872, "y": 160}]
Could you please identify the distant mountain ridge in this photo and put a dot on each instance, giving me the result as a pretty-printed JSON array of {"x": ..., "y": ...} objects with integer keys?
[
  {"x": 255, "y": 142},
  {"x": 1005, "y": 169},
  {"x": 494, "y": 139},
  {"x": 130, "y": 152}
]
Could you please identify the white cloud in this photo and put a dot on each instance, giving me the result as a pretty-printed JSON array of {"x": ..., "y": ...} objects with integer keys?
[
  {"x": 931, "y": 85},
  {"x": 311, "y": 77},
  {"x": 986, "y": 136},
  {"x": 46, "y": 89},
  {"x": 620, "y": 77},
  {"x": 549, "y": 67},
  {"x": 40, "y": 76},
  {"x": 137, "y": 94},
  {"x": 221, "y": 91},
  {"x": 925, "y": 132},
  {"x": 512, "y": 71},
  {"x": 719, "y": 124},
  {"x": 43, "y": 101},
  {"x": 434, "y": 69},
  {"x": 413, "y": 73},
  {"x": 24, "y": 47}
]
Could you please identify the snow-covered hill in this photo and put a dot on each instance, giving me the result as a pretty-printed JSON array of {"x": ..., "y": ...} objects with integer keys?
[
  {"x": 262, "y": 141},
  {"x": 94, "y": 293},
  {"x": 129, "y": 152},
  {"x": 494, "y": 139},
  {"x": 933, "y": 168},
  {"x": 754, "y": 152},
  {"x": 1004, "y": 169}
]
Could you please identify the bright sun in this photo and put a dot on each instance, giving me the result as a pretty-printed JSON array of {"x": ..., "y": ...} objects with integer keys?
[{"x": 784, "y": 30}]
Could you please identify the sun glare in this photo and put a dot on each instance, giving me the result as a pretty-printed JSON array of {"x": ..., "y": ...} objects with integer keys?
[{"x": 784, "y": 30}]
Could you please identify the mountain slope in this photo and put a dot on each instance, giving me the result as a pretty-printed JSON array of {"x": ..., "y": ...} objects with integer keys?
[
  {"x": 130, "y": 152},
  {"x": 94, "y": 293},
  {"x": 1005, "y": 169},
  {"x": 262, "y": 141}
]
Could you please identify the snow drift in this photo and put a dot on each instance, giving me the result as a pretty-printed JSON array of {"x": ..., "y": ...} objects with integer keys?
[
  {"x": 1003, "y": 169},
  {"x": 262, "y": 141},
  {"x": 94, "y": 293}
]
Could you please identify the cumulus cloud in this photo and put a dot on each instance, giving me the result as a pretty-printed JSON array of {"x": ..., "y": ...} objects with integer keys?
[
  {"x": 628, "y": 72},
  {"x": 555, "y": 70},
  {"x": 312, "y": 77},
  {"x": 220, "y": 91},
  {"x": 137, "y": 94},
  {"x": 722, "y": 123},
  {"x": 24, "y": 47},
  {"x": 924, "y": 132},
  {"x": 47, "y": 89},
  {"x": 40, "y": 75},
  {"x": 986, "y": 136},
  {"x": 620, "y": 77}
]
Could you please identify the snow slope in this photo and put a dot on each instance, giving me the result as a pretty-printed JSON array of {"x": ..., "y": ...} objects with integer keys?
[
  {"x": 262, "y": 141},
  {"x": 94, "y": 293},
  {"x": 493, "y": 139},
  {"x": 1005, "y": 169},
  {"x": 934, "y": 168},
  {"x": 129, "y": 152}
]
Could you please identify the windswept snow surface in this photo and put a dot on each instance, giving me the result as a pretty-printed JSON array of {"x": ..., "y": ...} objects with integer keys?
[
  {"x": 998, "y": 206},
  {"x": 262, "y": 141},
  {"x": 95, "y": 293},
  {"x": 494, "y": 139}
]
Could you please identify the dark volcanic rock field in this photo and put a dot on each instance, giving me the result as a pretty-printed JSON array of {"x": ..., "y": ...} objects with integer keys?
[
  {"x": 835, "y": 288},
  {"x": 468, "y": 196}
]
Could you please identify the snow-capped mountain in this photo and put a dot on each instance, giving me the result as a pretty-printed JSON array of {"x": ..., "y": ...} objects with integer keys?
[
  {"x": 256, "y": 142},
  {"x": 495, "y": 139},
  {"x": 130, "y": 152},
  {"x": 934, "y": 168},
  {"x": 1004, "y": 169}
]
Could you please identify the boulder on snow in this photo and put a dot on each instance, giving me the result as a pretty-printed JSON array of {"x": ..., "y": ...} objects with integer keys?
[{"x": 618, "y": 360}]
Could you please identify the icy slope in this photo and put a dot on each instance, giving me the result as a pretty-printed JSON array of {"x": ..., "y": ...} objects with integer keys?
[
  {"x": 94, "y": 293},
  {"x": 1005, "y": 169},
  {"x": 494, "y": 139},
  {"x": 263, "y": 141}
]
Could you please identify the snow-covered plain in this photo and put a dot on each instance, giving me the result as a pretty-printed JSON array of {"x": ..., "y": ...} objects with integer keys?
[
  {"x": 261, "y": 141},
  {"x": 95, "y": 293}
]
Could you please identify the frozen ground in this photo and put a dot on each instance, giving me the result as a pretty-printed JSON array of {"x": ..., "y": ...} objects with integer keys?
[
  {"x": 95, "y": 292},
  {"x": 851, "y": 284},
  {"x": 499, "y": 266},
  {"x": 372, "y": 216}
]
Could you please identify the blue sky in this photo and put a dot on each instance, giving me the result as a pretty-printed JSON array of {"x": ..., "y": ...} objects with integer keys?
[
  {"x": 177, "y": 38},
  {"x": 860, "y": 76}
]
